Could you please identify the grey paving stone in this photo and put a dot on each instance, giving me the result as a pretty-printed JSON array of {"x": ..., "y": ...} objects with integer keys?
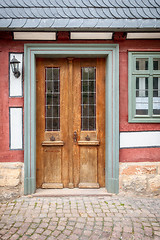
[{"x": 139, "y": 220}]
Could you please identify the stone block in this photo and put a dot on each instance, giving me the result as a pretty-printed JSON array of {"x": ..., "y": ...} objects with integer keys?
[
  {"x": 139, "y": 170},
  {"x": 135, "y": 184},
  {"x": 154, "y": 184},
  {"x": 11, "y": 180},
  {"x": 158, "y": 168},
  {"x": 9, "y": 177}
]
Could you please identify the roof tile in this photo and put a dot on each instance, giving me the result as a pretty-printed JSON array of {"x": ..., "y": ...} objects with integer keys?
[
  {"x": 134, "y": 13},
  {"x": 60, "y": 23},
  {"x": 87, "y": 3},
  {"x": 157, "y": 23},
  {"x": 55, "y": 13},
  {"x": 60, "y": 3},
  {"x": 148, "y": 23},
  {"x": 11, "y": 13},
  {"x": 101, "y": 3},
  {"x": 123, "y": 12},
  {"x": 75, "y": 23},
  {"x": 155, "y": 12},
  {"x": 61, "y": 12},
  {"x": 149, "y": 13},
  {"x": 129, "y": 3},
  {"x": 100, "y": 12},
  {"x": 120, "y": 3},
  {"x": 3, "y": 13},
  {"x": 46, "y": 23},
  {"x": 153, "y": 3},
  {"x": 42, "y": 13},
  {"x": 35, "y": 12},
  {"x": 94, "y": 12},
  {"x": 114, "y": 13},
  {"x": 114, "y": 3},
  {"x": 18, "y": 23},
  {"x": 4, "y": 23},
  {"x": 48, "y": 3},
  {"x": 132, "y": 23},
  {"x": 157, "y": 2},
  {"x": 89, "y": 23},
  {"x": 29, "y": 3},
  {"x": 9, "y": 3},
  {"x": 21, "y": 3},
  {"x": 158, "y": 10},
  {"x": 29, "y": 13},
  {"x": 3, "y": 4},
  {"x": 79, "y": 3},
  {"x": 87, "y": 13},
  {"x": 22, "y": 13},
  {"x": 48, "y": 12},
  {"x": 107, "y": 3},
  {"x": 80, "y": 13},
  {"x": 96, "y": 3},
  {"x": 74, "y": 12},
  {"x": 67, "y": 3},
  {"x": 67, "y": 13},
  {"x": 104, "y": 23},
  {"x": 118, "y": 23},
  {"x": 32, "y": 23},
  {"x": 147, "y": 3},
  {"x": 107, "y": 13},
  {"x": 141, "y": 12}
]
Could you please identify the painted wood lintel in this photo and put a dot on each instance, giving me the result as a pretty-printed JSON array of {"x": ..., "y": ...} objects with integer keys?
[
  {"x": 88, "y": 143},
  {"x": 52, "y": 143}
]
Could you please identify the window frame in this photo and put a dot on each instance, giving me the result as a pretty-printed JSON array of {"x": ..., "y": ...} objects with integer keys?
[{"x": 132, "y": 74}]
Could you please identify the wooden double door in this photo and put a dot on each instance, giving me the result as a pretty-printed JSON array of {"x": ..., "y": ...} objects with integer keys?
[{"x": 70, "y": 123}]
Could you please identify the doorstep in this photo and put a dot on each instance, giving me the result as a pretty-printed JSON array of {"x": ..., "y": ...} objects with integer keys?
[{"x": 66, "y": 192}]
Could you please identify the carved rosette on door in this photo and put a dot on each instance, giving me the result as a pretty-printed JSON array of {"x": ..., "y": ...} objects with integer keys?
[{"x": 70, "y": 123}]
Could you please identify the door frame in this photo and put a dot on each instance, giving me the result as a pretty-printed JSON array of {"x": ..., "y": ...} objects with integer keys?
[{"x": 108, "y": 51}]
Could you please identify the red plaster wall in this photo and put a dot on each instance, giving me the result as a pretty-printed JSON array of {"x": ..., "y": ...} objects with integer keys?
[{"x": 126, "y": 155}]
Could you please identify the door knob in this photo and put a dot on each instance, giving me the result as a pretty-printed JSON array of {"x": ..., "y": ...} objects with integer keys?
[{"x": 75, "y": 136}]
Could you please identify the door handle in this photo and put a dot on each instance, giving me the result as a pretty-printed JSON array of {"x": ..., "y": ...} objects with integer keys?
[{"x": 75, "y": 136}]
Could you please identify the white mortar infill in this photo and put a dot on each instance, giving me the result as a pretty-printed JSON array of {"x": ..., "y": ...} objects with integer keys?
[
  {"x": 139, "y": 139},
  {"x": 16, "y": 83},
  {"x": 16, "y": 130}
]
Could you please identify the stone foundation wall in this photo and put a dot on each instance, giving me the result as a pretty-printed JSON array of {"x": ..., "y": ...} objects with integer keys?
[
  {"x": 134, "y": 178},
  {"x": 140, "y": 178},
  {"x": 11, "y": 180}
]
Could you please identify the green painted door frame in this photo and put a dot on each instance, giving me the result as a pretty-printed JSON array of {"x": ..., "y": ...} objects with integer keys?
[{"x": 108, "y": 51}]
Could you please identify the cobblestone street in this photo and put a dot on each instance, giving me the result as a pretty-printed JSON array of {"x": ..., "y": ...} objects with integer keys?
[{"x": 110, "y": 217}]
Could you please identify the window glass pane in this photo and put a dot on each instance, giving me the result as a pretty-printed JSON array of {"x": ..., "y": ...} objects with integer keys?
[
  {"x": 52, "y": 105},
  {"x": 156, "y": 95},
  {"x": 141, "y": 96},
  {"x": 49, "y": 74},
  {"x": 85, "y": 86},
  {"x": 88, "y": 98},
  {"x": 156, "y": 63},
  {"x": 142, "y": 64}
]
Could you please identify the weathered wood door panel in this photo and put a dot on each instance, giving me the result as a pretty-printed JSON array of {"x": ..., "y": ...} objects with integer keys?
[{"x": 70, "y": 121}]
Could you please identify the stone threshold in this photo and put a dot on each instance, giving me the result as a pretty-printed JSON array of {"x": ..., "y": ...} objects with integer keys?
[{"x": 66, "y": 192}]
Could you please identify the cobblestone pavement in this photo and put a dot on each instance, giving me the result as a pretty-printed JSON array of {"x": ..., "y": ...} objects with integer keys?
[{"x": 80, "y": 218}]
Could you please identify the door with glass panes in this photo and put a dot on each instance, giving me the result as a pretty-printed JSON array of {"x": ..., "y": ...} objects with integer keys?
[{"x": 70, "y": 123}]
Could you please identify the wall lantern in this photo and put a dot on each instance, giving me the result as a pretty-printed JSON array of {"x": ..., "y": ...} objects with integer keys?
[{"x": 15, "y": 67}]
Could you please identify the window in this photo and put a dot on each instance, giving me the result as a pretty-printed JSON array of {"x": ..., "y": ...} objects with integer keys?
[
  {"x": 52, "y": 96},
  {"x": 144, "y": 87},
  {"x": 88, "y": 98}
]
